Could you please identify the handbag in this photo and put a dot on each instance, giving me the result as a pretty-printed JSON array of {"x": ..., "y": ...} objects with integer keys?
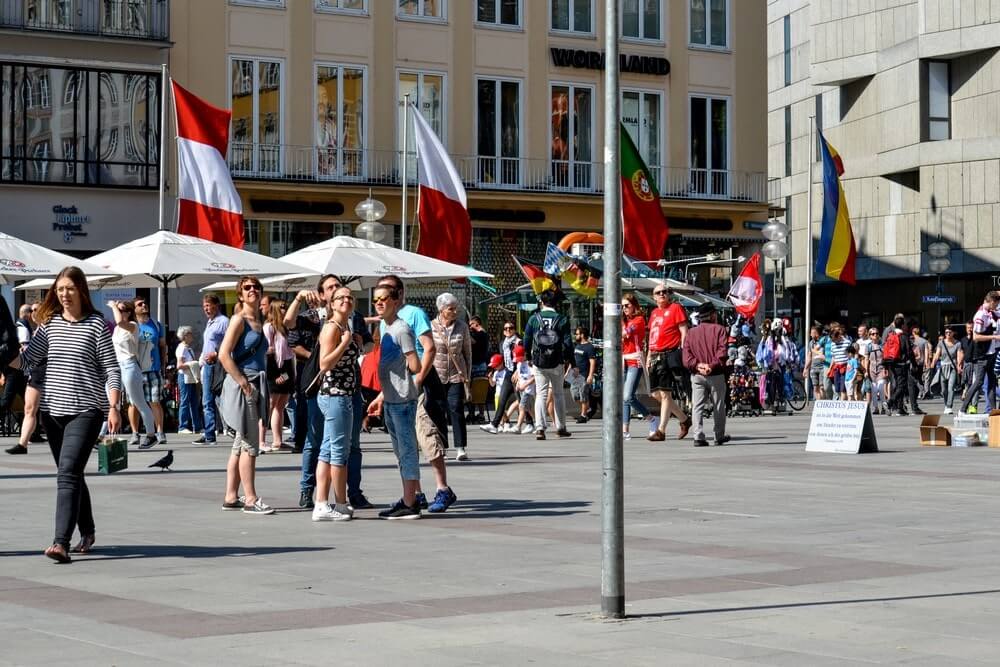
[
  {"x": 112, "y": 455},
  {"x": 309, "y": 374}
]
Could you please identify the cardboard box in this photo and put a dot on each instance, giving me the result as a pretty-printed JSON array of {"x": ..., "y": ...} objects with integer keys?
[
  {"x": 932, "y": 434},
  {"x": 994, "y": 437}
]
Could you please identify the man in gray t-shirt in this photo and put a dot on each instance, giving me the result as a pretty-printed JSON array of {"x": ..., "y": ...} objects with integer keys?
[
  {"x": 921, "y": 362},
  {"x": 397, "y": 380}
]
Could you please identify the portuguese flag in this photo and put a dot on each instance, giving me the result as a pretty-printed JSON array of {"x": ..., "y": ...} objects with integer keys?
[{"x": 645, "y": 227}]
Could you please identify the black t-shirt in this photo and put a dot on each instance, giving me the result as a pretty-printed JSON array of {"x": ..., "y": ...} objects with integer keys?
[
  {"x": 480, "y": 347},
  {"x": 306, "y": 331},
  {"x": 582, "y": 354}
]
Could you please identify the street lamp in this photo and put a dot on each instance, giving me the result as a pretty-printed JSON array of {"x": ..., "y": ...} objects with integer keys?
[
  {"x": 371, "y": 211},
  {"x": 775, "y": 249}
]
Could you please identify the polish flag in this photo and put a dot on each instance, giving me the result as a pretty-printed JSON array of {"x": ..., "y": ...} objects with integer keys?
[
  {"x": 747, "y": 289},
  {"x": 445, "y": 229},
  {"x": 209, "y": 206}
]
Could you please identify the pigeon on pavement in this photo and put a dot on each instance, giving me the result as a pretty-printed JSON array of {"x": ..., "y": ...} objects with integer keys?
[{"x": 165, "y": 462}]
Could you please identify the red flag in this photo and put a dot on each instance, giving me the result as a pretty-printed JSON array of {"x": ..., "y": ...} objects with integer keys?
[
  {"x": 209, "y": 206},
  {"x": 747, "y": 289},
  {"x": 445, "y": 228}
]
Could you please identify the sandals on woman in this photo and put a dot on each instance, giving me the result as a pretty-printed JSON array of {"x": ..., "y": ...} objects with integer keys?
[
  {"x": 57, "y": 552},
  {"x": 85, "y": 544}
]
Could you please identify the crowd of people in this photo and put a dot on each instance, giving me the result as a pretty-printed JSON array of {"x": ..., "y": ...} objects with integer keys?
[{"x": 337, "y": 373}]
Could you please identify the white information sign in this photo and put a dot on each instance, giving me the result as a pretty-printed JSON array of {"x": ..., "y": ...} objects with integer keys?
[{"x": 841, "y": 427}]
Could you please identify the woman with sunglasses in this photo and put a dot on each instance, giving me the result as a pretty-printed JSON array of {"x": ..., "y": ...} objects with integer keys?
[
  {"x": 81, "y": 375},
  {"x": 243, "y": 354},
  {"x": 125, "y": 338},
  {"x": 949, "y": 354},
  {"x": 633, "y": 339}
]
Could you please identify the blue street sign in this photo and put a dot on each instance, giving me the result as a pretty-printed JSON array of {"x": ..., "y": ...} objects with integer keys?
[{"x": 939, "y": 298}]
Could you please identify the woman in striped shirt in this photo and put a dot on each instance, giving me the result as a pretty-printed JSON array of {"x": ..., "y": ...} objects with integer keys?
[{"x": 81, "y": 374}]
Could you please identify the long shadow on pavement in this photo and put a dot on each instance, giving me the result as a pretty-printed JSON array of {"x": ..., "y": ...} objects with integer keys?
[
  {"x": 120, "y": 551},
  {"x": 501, "y": 508}
]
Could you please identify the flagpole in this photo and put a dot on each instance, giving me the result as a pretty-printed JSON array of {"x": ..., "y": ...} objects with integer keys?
[
  {"x": 809, "y": 232},
  {"x": 406, "y": 160},
  {"x": 612, "y": 487},
  {"x": 161, "y": 295}
]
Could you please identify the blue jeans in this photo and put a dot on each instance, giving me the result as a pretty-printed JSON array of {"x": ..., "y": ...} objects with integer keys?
[
  {"x": 132, "y": 381},
  {"x": 354, "y": 458},
  {"x": 632, "y": 376},
  {"x": 401, "y": 420},
  {"x": 313, "y": 429},
  {"x": 338, "y": 421},
  {"x": 208, "y": 401},
  {"x": 189, "y": 413}
]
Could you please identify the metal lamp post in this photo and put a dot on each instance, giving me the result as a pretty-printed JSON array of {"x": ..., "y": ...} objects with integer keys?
[
  {"x": 371, "y": 211},
  {"x": 939, "y": 262},
  {"x": 775, "y": 249}
]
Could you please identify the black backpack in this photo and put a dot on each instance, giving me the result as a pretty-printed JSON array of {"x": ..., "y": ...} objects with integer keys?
[
  {"x": 10, "y": 348},
  {"x": 547, "y": 343}
]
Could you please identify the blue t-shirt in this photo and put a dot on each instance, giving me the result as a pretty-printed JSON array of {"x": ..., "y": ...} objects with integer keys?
[
  {"x": 418, "y": 322},
  {"x": 150, "y": 333}
]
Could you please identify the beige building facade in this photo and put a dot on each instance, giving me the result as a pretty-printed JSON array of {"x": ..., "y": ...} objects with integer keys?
[
  {"x": 515, "y": 90},
  {"x": 908, "y": 92}
]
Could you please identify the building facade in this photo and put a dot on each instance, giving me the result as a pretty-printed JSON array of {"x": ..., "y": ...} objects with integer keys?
[
  {"x": 514, "y": 88},
  {"x": 908, "y": 92}
]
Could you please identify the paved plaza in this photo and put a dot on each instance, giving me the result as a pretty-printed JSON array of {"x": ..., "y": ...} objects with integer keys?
[{"x": 751, "y": 553}]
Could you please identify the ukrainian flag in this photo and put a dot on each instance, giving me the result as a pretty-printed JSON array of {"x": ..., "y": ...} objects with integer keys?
[{"x": 837, "y": 252}]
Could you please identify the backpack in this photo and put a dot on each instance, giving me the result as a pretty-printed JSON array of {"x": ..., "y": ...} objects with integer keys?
[
  {"x": 10, "y": 348},
  {"x": 891, "y": 347},
  {"x": 547, "y": 344}
]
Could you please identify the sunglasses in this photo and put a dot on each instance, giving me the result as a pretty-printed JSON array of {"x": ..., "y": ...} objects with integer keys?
[
  {"x": 252, "y": 287},
  {"x": 378, "y": 299},
  {"x": 139, "y": 304},
  {"x": 660, "y": 293},
  {"x": 346, "y": 297},
  {"x": 508, "y": 328}
]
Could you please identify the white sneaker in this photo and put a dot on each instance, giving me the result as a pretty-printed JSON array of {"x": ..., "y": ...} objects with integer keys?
[
  {"x": 323, "y": 512},
  {"x": 510, "y": 428},
  {"x": 343, "y": 513},
  {"x": 626, "y": 436},
  {"x": 489, "y": 428},
  {"x": 948, "y": 411},
  {"x": 162, "y": 438},
  {"x": 460, "y": 454},
  {"x": 527, "y": 429},
  {"x": 185, "y": 431}
]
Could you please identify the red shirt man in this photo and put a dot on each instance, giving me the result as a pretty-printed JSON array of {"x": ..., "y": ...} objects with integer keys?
[{"x": 665, "y": 327}]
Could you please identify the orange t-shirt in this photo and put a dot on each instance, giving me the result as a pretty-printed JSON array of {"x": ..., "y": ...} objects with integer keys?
[{"x": 664, "y": 327}]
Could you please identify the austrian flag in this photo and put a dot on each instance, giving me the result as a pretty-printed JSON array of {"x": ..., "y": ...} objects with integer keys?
[{"x": 209, "y": 206}]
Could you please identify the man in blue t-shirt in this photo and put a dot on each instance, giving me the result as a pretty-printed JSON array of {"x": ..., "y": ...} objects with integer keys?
[{"x": 152, "y": 349}]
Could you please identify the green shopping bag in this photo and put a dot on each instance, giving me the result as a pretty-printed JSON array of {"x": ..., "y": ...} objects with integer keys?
[{"x": 112, "y": 455}]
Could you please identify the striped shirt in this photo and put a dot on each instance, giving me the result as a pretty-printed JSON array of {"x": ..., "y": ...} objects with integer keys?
[
  {"x": 838, "y": 350},
  {"x": 79, "y": 362}
]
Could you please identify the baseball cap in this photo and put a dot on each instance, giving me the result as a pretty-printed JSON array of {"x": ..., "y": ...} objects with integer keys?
[
  {"x": 496, "y": 361},
  {"x": 518, "y": 353}
]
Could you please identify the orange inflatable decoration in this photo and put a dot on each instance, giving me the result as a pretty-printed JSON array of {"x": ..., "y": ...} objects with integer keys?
[{"x": 580, "y": 237}]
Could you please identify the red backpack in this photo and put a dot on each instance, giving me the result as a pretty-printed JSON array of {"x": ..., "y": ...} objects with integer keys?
[{"x": 890, "y": 350}]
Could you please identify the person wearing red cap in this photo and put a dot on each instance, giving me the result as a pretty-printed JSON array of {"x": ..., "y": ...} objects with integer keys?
[
  {"x": 524, "y": 382},
  {"x": 510, "y": 340}
]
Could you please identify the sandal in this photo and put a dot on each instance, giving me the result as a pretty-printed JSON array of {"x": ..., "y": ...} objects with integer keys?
[
  {"x": 57, "y": 552},
  {"x": 85, "y": 544}
]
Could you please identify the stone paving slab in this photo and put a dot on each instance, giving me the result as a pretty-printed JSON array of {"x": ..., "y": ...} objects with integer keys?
[{"x": 755, "y": 553}]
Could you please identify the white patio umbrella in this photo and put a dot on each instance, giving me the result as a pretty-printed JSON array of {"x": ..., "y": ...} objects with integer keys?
[
  {"x": 168, "y": 259},
  {"x": 23, "y": 260},
  {"x": 353, "y": 259},
  {"x": 289, "y": 283}
]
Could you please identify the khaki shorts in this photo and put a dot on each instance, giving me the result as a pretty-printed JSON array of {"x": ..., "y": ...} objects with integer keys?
[
  {"x": 241, "y": 444},
  {"x": 428, "y": 437}
]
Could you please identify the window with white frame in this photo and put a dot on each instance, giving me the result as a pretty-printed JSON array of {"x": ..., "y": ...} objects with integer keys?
[
  {"x": 427, "y": 9},
  {"x": 257, "y": 100},
  {"x": 709, "y": 23},
  {"x": 641, "y": 117},
  {"x": 572, "y": 15},
  {"x": 339, "y": 122},
  {"x": 709, "y": 120},
  {"x": 353, "y": 6},
  {"x": 499, "y": 12},
  {"x": 641, "y": 19},
  {"x": 498, "y": 135},
  {"x": 426, "y": 91},
  {"x": 572, "y": 143}
]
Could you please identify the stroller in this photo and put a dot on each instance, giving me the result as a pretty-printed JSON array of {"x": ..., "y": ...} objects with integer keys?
[{"x": 744, "y": 392}]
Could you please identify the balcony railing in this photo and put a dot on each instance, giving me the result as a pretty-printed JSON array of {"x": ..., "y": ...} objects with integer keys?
[
  {"x": 128, "y": 19},
  {"x": 371, "y": 167}
]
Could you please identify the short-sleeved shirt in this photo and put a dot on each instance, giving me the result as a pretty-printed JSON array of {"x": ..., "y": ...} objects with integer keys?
[
  {"x": 582, "y": 354},
  {"x": 984, "y": 322},
  {"x": 149, "y": 334},
  {"x": 215, "y": 331},
  {"x": 418, "y": 322},
  {"x": 874, "y": 359},
  {"x": 525, "y": 372},
  {"x": 664, "y": 327},
  {"x": 920, "y": 347},
  {"x": 949, "y": 353},
  {"x": 838, "y": 350},
  {"x": 633, "y": 336},
  {"x": 23, "y": 332},
  {"x": 397, "y": 380}
]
